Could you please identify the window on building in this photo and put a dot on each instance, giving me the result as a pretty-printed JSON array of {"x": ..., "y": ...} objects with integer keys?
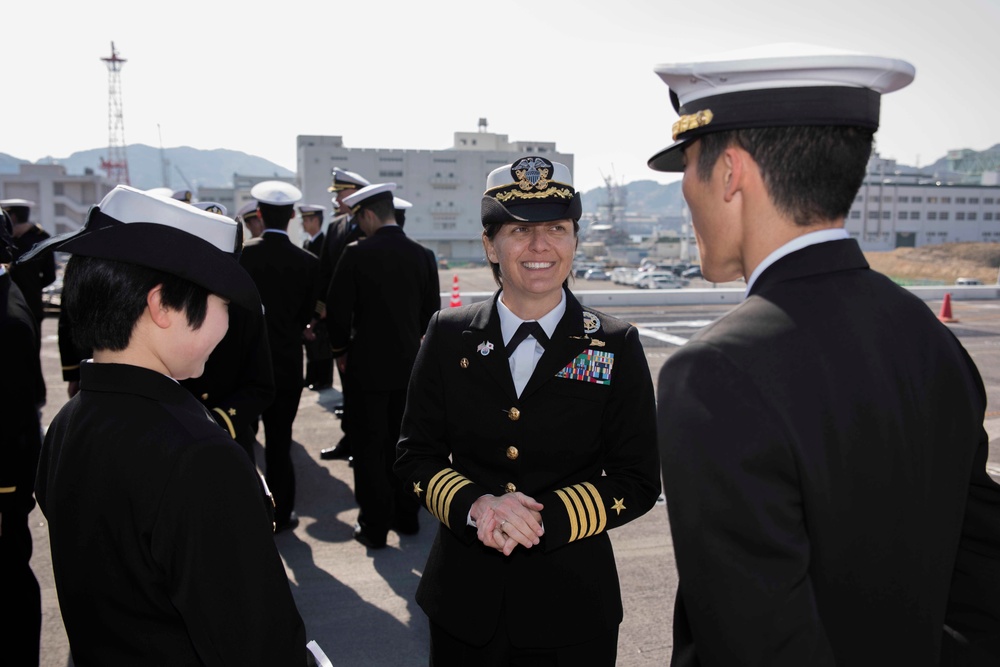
[
  {"x": 932, "y": 200},
  {"x": 932, "y": 215},
  {"x": 903, "y": 200},
  {"x": 855, "y": 215},
  {"x": 917, "y": 199},
  {"x": 887, "y": 198},
  {"x": 390, "y": 174},
  {"x": 860, "y": 197},
  {"x": 959, "y": 200},
  {"x": 886, "y": 215},
  {"x": 987, "y": 216},
  {"x": 873, "y": 215},
  {"x": 902, "y": 215},
  {"x": 943, "y": 216},
  {"x": 945, "y": 200},
  {"x": 988, "y": 200},
  {"x": 873, "y": 198},
  {"x": 960, "y": 215},
  {"x": 971, "y": 215},
  {"x": 60, "y": 209},
  {"x": 914, "y": 215},
  {"x": 973, "y": 200},
  {"x": 58, "y": 189}
]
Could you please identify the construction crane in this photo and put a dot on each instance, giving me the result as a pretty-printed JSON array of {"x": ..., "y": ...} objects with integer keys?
[{"x": 115, "y": 165}]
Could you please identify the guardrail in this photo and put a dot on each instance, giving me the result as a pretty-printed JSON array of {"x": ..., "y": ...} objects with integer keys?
[{"x": 724, "y": 295}]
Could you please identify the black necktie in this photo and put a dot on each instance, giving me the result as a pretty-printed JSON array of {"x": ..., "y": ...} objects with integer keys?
[{"x": 527, "y": 329}]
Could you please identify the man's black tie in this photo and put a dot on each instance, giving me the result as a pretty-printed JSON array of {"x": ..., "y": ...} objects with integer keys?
[{"x": 527, "y": 329}]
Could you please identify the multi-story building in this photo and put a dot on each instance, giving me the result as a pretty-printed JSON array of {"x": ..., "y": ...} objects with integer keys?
[
  {"x": 894, "y": 209},
  {"x": 444, "y": 186},
  {"x": 61, "y": 200}
]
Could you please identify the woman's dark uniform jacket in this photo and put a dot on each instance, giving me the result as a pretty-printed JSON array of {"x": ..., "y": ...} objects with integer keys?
[
  {"x": 824, "y": 465},
  {"x": 586, "y": 450},
  {"x": 158, "y": 526}
]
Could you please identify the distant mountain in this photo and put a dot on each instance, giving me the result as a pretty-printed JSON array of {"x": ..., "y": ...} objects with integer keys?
[
  {"x": 641, "y": 197},
  {"x": 186, "y": 166}
]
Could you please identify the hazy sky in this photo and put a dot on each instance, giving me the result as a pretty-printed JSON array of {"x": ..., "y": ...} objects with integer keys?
[{"x": 252, "y": 76}]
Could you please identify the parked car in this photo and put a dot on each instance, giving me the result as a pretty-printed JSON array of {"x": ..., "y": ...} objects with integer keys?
[
  {"x": 597, "y": 274},
  {"x": 968, "y": 281},
  {"x": 658, "y": 280},
  {"x": 693, "y": 272}
]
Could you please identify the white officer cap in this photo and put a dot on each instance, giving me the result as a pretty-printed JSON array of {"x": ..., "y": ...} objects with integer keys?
[
  {"x": 780, "y": 85},
  {"x": 276, "y": 193},
  {"x": 368, "y": 195},
  {"x": 343, "y": 180},
  {"x": 401, "y": 204}
]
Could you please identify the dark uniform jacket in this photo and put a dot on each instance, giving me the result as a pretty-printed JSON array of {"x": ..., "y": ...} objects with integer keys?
[
  {"x": 315, "y": 246},
  {"x": 21, "y": 392},
  {"x": 35, "y": 275},
  {"x": 340, "y": 233},
  {"x": 161, "y": 538},
  {"x": 822, "y": 445},
  {"x": 386, "y": 288},
  {"x": 581, "y": 440},
  {"x": 285, "y": 276},
  {"x": 238, "y": 382}
]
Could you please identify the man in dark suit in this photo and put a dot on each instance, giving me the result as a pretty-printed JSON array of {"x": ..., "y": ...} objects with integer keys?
[
  {"x": 21, "y": 391},
  {"x": 385, "y": 289},
  {"x": 822, "y": 445},
  {"x": 31, "y": 277},
  {"x": 285, "y": 276},
  {"x": 319, "y": 362},
  {"x": 342, "y": 231}
]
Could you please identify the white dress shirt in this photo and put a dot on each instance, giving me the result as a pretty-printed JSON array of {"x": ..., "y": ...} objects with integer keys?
[{"x": 527, "y": 354}]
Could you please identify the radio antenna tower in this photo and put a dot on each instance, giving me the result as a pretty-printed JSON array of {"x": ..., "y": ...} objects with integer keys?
[{"x": 116, "y": 164}]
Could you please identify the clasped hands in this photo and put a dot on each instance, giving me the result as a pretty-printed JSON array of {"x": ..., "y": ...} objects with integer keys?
[{"x": 503, "y": 522}]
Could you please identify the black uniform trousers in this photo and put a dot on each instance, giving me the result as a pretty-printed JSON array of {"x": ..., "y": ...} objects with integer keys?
[
  {"x": 22, "y": 599},
  {"x": 376, "y": 488},
  {"x": 279, "y": 472}
]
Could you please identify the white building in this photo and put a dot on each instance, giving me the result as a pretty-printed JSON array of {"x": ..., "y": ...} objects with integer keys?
[
  {"x": 444, "y": 186},
  {"x": 62, "y": 201},
  {"x": 894, "y": 209}
]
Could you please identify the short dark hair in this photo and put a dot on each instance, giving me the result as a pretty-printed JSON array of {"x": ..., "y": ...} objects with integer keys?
[
  {"x": 382, "y": 208},
  {"x": 104, "y": 299},
  {"x": 490, "y": 231},
  {"x": 275, "y": 216},
  {"x": 812, "y": 173}
]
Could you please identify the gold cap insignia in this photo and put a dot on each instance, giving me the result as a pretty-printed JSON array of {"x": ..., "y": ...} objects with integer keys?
[{"x": 692, "y": 121}]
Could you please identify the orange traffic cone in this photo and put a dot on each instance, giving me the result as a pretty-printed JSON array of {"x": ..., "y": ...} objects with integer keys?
[
  {"x": 456, "y": 298},
  {"x": 945, "y": 315}
]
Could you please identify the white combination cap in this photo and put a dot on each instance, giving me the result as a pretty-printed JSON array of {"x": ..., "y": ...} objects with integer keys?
[{"x": 276, "y": 193}]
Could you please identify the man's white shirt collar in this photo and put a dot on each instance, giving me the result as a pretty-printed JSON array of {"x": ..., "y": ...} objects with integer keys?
[{"x": 798, "y": 243}]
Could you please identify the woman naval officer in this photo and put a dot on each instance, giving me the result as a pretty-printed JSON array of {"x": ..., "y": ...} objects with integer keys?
[{"x": 529, "y": 432}]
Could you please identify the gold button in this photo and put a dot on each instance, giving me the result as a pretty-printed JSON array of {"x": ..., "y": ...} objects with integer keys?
[
  {"x": 512, "y": 453},
  {"x": 510, "y": 488},
  {"x": 204, "y": 397},
  {"x": 464, "y": 363},
  {"x": 513, "y": 414}
]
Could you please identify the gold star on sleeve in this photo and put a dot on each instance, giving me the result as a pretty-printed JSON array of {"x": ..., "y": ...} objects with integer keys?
[
  {"x": 619, "y": 505},
  {"x": 232, "y": 412},
  {"x": 416, "y": 489}
]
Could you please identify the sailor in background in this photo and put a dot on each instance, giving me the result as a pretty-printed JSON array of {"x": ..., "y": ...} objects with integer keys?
[
  {"x": 823, "y": 449},
  {"x": 286, "y": 277},
  {"x": 31, "y": 277},
  {"x": 21, "y": 389},
  {"x": 319, "y": 358},
  {"x": 385, "y": 289},
  {"x": 401, "y": 206},
  {"x": 341, "y": 231},
  {"x": 251, "y": 219},
  {"x": 529, "y": 432}
]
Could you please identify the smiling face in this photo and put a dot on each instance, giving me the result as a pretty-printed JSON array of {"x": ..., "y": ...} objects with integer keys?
[{"x": 535, "y": 259}]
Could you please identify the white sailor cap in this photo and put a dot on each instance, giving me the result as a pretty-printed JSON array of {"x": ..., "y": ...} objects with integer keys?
[
  {"x": 312, "y": 209},
  {"x": 248, "y": 209},
  {"x": 369, "y": 195},
  {"x": 211, "y": 207},
  {"x": 780, "y": 85},
  {"x": 343, "y": 180},
  {"x": 401, "y": 204},
  {"x": 276, "y": 193},
  {"x": 16, "y": 202},
  {"x": 136, "y": 227},
  {"x": 530, "y": 189}
]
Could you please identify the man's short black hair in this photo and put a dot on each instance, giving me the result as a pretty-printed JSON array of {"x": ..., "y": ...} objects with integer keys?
[
  {"x": 104, "y": 299},
  {"x": 812, "y": 173},
  {"x": 275, "y": 216},
  {"x": 382, "y": 208}
]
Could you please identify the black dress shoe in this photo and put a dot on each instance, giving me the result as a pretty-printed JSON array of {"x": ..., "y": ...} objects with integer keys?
[
  {"x": 364, "y": 538},
  {"x": 341, "y": 451},
  {"x": 290, "y": 523}
]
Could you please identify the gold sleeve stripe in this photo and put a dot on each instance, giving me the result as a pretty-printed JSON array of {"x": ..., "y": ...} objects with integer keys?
[
  {"x": 71, "y": 368},
  {"x": 585, "y": 510},
  {"x": 225, "y": 418},
  {"x": 8, "y": 489},
  {"x": 441, "y": 491}
]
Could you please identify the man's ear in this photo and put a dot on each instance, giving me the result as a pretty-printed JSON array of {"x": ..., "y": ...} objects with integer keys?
[
  {"x": 161, "y": 315},
  {"x": 735, "y": 171}
]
